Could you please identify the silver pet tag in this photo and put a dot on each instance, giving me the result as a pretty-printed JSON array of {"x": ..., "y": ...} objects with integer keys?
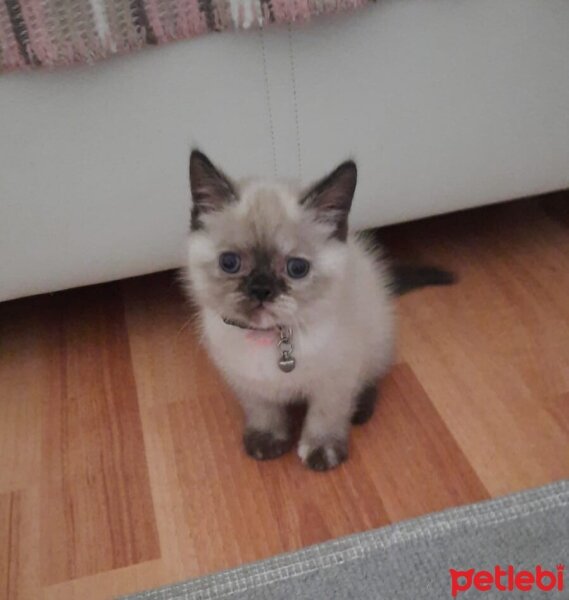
[{"x": 287, "y": 361}]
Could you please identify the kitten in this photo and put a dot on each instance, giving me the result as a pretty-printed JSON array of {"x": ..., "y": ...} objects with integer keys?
[{"x": 270, "y": 263}]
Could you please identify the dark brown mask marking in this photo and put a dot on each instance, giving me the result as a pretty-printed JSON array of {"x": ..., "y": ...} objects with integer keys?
[
  {"x": 211, "y": 188},
  {"x": 262, "y": 284}
]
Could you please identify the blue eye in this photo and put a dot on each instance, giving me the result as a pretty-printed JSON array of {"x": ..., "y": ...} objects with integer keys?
[
  {"x": 297, "y": 268},
  {"x": 230, "y": 262}
]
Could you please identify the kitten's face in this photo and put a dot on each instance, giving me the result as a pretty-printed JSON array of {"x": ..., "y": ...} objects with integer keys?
[{"x": 262, "y": 253}]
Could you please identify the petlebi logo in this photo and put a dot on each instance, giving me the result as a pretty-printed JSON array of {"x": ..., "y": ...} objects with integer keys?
[{"x": 507, "y": 579}]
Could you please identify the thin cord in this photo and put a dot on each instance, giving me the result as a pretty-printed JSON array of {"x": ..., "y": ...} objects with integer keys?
[
  {"x": 269, "y": 107},
  {"x": 296, "y": 120}
]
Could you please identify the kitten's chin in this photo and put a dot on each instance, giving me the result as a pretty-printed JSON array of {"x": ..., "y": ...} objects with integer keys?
[{"x": 262, "y": 318}]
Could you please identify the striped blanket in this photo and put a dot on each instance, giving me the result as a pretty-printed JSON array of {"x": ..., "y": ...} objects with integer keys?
[{"x": 50, "y": 33}]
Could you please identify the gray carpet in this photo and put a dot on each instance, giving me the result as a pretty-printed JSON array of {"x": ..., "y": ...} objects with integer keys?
[{"x": 410, "y": 560}]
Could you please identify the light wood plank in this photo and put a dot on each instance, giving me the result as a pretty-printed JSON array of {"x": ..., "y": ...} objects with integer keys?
[
  {"x": 111, "y": 584},
  {"x": 99, "y": 515},
  {"x": 24, "y": 369},
  {"x": 418, "y": 465},
  {"x": 19, "y": 545}
]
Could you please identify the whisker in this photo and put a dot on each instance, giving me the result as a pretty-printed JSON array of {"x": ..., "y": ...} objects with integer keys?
[{"x": 193, "y": 318}]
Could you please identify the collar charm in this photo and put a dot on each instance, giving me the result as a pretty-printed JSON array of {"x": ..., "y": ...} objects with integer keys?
[{"x": 287, "y": 361}]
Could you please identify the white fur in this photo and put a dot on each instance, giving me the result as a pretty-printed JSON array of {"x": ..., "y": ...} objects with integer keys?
[
  {"x": 342, "y": 340},
  {"x": 346, "y": 341}
]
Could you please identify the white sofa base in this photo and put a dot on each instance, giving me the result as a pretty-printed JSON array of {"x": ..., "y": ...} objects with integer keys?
[{"x": 445, "y": 104}]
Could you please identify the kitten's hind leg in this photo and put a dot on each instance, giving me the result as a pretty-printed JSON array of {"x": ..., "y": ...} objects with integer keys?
[
  {"x": 267, "y": 431},
  {"x": 365, "y": 404}
]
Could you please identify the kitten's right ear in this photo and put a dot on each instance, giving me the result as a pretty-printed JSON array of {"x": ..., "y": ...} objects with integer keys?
[
  {"x": 331, "y": 198},
  {"x": 211, "y": 189}
]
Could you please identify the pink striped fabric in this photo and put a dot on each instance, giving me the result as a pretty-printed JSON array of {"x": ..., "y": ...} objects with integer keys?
[{"x": 51, "y": 33}]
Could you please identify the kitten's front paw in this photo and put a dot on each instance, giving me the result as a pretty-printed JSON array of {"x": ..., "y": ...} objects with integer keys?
[
  {"x": 264, "y": 445},
  {"x": 325, "y": 456}
]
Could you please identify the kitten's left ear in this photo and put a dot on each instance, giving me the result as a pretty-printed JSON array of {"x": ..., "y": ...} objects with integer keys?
[
  {"x": 331, "y": 198},
  {"x": 211, "y": 189}
]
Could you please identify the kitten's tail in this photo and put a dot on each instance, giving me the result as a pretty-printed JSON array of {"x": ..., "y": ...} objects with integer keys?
[{"x": 405, "y": 278}]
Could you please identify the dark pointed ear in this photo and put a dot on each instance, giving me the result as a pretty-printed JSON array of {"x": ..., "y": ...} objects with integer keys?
[
  {"x": 211, "y": 189},
  {"x": 331, "y": 198}
]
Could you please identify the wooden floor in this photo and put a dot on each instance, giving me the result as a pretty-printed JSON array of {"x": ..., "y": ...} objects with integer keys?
[{"x": 120, "y": 459}]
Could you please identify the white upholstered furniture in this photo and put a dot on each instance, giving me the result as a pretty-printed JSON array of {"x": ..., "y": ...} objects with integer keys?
[{"x": 445, "y": 104}]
